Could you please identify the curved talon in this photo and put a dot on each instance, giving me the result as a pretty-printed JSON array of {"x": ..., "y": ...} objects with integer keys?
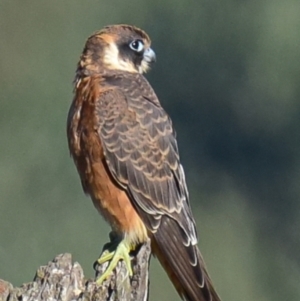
[
  {"x": 106, "y": 256},
  {"x": 121, "y": 252}
]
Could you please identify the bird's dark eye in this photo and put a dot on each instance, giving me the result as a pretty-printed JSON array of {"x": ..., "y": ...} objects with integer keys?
[{"x": 137, "y": 45}]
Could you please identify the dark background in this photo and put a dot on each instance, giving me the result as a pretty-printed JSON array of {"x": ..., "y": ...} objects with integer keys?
[{"x": 228, "y": 74}]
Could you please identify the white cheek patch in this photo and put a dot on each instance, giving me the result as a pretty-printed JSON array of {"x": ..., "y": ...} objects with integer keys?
[
  {"x": 144, "y": 66},
  {"x": 114, "y": 62}
]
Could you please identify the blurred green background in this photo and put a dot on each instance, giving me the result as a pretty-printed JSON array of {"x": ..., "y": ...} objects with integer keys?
[{"x": 228, "y": 73}]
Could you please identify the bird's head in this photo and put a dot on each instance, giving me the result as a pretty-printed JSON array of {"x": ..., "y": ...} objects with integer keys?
[{"x": 118, "y": 48}]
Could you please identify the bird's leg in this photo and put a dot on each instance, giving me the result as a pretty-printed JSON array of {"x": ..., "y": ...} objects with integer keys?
[{"x": 118, "y": 249}]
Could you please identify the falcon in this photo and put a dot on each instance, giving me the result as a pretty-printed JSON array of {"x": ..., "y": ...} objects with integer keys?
[{"x": 124, "y": 147}]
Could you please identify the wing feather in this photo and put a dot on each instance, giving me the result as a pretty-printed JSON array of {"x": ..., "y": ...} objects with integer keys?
[{"x": 141, "y": 152}]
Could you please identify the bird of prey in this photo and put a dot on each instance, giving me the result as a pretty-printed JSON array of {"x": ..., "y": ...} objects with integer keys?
[{"x": 124, "y": 146}]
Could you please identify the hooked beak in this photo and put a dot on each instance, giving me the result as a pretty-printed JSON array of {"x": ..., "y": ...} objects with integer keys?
[{"x": 149, "y": 56}]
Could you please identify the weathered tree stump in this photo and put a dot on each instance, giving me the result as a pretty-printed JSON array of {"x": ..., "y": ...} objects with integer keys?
[{"x": 63, "y": 280}]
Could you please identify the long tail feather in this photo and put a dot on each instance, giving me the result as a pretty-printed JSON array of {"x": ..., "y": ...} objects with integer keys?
[{"x": 184, "y": 264}]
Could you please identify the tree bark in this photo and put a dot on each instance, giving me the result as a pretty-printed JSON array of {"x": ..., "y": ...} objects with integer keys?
[{"x": 63, "y": 280}]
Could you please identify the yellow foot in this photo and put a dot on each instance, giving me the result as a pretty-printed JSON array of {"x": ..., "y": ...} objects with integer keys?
[{"x": 114, "y": 253}]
